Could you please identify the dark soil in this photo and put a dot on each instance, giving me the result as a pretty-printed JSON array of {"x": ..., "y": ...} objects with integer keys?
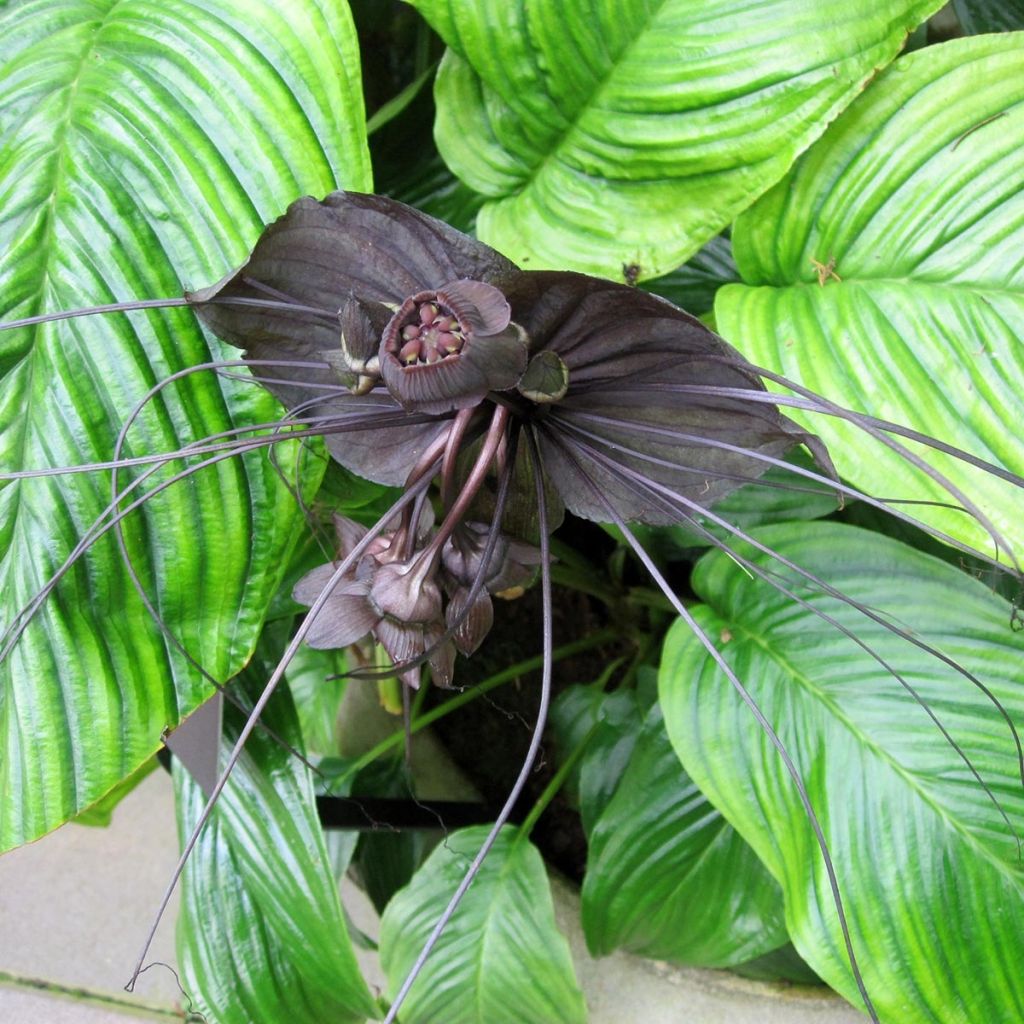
[{"x": 489, "y": 738}]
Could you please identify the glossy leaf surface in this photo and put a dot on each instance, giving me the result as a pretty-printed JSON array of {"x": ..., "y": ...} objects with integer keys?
[
  {"x": 668, "y": 877},
  {"x": 885, "y": 272},
  {"x": 144, "y": 146},
  {"x": 261, "y": 933},
  {"x": 928, "y": 869},
  {"x": 501, "y": 960},
  {"x": 318, "y": 684},
  {"x": 606, "y": 725},
  {"x": 617, "y": 135}
]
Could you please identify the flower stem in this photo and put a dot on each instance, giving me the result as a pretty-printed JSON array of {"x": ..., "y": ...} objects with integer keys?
[
  {"x": 556, "y": 783},
  {"x": 492, "y": 682},
  {"x": 432, "y": 552}
]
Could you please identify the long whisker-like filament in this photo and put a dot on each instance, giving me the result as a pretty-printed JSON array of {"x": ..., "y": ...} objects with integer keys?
[
  {"x": 749, "y": 701},
  {"x": 808, "y": 401},
  {"x": 528, "y": 761},
  {"x": 103, "y": 524},
  {"x": 883, "y": 504},
  {"x": 268, "y": 691},
  {"x": 691, "y": 509},
  {"x": 21, "y": 620},
  {"x": 132, "y": 305},
  {"x": 879, "y": 429},
  {"x": 154, "y": 613},
  {"x": 110, "y": 307}
]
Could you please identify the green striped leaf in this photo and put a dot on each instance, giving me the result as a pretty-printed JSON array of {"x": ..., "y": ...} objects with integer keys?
[
  {"x": 144, "y": 146},
  {"x": 929, "y": 871},
  {"x": 501, "y": 960},
  {"x": 885, "y": 273},
  {"x": 618, "y": 138},
  {"x": 261, "y": 933}
]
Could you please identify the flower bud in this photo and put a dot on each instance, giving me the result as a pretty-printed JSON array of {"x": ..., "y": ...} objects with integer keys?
[{"x": 404, "y": 592}]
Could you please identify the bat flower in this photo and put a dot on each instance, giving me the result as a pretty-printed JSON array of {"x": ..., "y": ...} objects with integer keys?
[
  {"x": 395, "y": 599},
  {"x": 467, "y": 566},
  {"x": 417, "y": 352},
  {"x": 435, "y": 323}
]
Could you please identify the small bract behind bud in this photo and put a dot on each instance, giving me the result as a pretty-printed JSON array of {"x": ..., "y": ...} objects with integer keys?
[{"x": 362, "y": 325}]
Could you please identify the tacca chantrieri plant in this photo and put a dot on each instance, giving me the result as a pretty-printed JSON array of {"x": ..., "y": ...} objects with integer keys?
[{"x": 421, "y": 355}]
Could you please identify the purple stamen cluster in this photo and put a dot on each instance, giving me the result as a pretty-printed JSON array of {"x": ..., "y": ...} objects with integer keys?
[{"x": 432, "y": 333}]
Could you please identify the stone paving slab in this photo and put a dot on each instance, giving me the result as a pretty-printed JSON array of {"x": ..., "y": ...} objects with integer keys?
[
  {"x": 24, "y": 1006},
  {"x": 75, "y": 905}
]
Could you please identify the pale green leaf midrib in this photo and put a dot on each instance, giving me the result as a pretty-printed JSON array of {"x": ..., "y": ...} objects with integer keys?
[
  {"x": 485, "y": 934},
  {"x": 882, "y": 755},
  {"x": 60, "y": 147},
  {"x": 49, "y": 231},
  {"x": 512, "y": 857}
]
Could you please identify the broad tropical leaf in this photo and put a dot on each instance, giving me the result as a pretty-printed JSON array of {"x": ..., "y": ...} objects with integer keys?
[
  {"x": 885, "y": 273},
  {"x": 608, "y": 724},
  {"x": 668, "y": 877},
  {"x": 317, "y": 680},
  {"x": 501, "y": 960},
  {"x": 928, "y": 868},
  {"x": 144, "y": 147},
  {"x": 618, "y": 138},
  {"x": 261, "y": 933}
]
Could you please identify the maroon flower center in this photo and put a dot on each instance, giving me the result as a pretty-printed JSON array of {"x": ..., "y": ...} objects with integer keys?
[{"x": 432, "y": 332}]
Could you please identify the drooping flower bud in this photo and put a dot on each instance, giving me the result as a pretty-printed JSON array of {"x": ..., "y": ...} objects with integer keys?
[
  {"x": 398, "y": 602},
  {"x": 405, "y": 592},
  {"x": 362, "y": 325},
  {"x": 511, "y": 564},
  {"x": 470, "y": 624}
]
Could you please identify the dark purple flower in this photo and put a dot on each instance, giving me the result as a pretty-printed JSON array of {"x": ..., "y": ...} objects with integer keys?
[
  {"x": 348, "y": 264},
  {"x": 368, "y": 287},
  {"x": 419, "y": 352}
]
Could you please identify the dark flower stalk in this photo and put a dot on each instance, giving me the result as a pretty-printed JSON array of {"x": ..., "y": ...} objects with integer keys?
[{"x": 420, "y": 355}]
